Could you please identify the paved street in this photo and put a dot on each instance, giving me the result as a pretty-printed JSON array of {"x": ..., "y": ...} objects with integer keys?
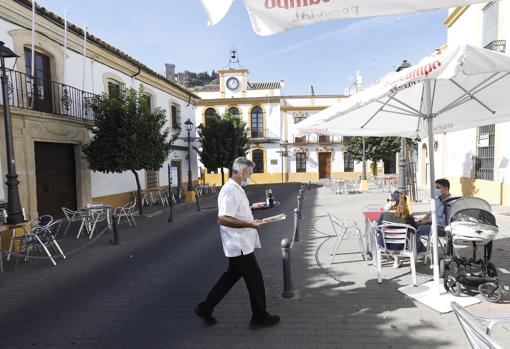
[{"x": 141, "y": 294}]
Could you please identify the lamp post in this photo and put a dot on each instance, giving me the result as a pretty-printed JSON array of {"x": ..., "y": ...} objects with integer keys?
[
  {"x": 189, "y": 126},
  {"x": 14, "y": 212},
  {"x": 402, "y": 182}
]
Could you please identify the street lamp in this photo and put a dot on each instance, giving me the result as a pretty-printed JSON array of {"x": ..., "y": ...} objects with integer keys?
[
  {"x": 189, "y": 126},
  {"x": 14, "y": 212},
  {"x": 402, "y": 183}
]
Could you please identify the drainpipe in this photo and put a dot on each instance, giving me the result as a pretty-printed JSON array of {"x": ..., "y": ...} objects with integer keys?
[{"x": 133, "y": 76}]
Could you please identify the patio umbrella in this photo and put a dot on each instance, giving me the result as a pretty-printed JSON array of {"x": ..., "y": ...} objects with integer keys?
[
  {"x": 269, "y": 17},
  {"x": 462, "y": 88}
]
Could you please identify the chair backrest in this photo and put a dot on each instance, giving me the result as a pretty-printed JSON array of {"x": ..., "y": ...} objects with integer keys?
[
  {"x": 68, "y": 213},
  {"x": 395, "y": 233},
  {"x": 471, "y": 326},
  {"x": 54, "y": 227}
]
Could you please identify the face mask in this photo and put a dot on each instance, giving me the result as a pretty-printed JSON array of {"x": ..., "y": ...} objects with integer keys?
[
  {"x": 388, "y": 206},
  {"x": 439, "y": 192},
  {"x": 244, "y": 182}
]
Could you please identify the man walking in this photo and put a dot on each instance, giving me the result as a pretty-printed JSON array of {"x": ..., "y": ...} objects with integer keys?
[{"x": 240, "y": 239}]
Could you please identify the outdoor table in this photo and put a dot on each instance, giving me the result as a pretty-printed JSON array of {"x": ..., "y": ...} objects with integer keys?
[
  {"x": 13, "y": 228},
  {"x": 339, "y": 183},
  {"x": 371, "y": 218},
  {"x": 86, "y": 214}
]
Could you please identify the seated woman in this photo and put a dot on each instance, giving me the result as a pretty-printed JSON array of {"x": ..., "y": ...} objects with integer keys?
[{"x": 398, "y": 213}]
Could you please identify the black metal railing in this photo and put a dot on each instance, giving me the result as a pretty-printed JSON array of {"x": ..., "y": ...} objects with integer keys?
[
  {"x": 48, "y": 96},
  {"x": 261, "y": 134},
  {"x": 497, "y": 45}
]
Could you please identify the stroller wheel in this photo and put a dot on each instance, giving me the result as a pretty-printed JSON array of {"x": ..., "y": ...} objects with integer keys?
[
  {"x": 452, "y": 286},
  {"x": 492, "y": 271},
  {"x": 490, "y": 292}
]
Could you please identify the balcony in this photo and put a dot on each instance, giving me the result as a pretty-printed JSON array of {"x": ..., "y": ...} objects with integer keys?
[
  {"x": 257, "y": 135},
  {"x": 47, "y": 96},
  {"x": 316, "y": 139},
  {"x": 497, "y": 45}
]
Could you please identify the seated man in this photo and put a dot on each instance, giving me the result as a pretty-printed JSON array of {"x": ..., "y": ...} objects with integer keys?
[{"x": 442, "y": 194}]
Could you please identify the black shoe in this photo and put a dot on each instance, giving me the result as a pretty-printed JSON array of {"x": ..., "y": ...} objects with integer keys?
[
  {"x": 268, "y": 321},
  {"x": 208, "y": 319}
]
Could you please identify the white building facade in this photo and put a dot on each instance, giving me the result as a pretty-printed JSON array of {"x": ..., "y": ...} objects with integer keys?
[
  {"x": 475, "y": 160},
  {"x": 50, "y": 128},
  {"x": 271, "y": 116}
]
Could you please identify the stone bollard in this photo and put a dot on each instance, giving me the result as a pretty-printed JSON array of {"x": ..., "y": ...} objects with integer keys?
[
  {"x": 171, "y": 216},
  {"x": 288, "y": 291},
  {"x": 197, "y": 203},
  {"x": 309, "y": 185},
  {"x": 296, "y": 224},
  {"x": 116, "y": 237},
  {"x": 299, "y": 206}
]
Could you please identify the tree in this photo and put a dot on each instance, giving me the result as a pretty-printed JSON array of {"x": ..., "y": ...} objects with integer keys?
[
  {"x": 127, "y": 136},
  {"x": 222, "y": 140},
  {"x": 376, "y": 148}
]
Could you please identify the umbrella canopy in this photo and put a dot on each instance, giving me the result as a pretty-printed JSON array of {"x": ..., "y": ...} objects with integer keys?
[
  {"x": 269, "y": 17},
  {"x": 462, "y": 88},
  {"x": 468, "y": 83}
]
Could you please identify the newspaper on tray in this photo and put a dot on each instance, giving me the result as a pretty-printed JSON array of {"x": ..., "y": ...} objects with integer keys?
[{"x": 278, "y": 217}]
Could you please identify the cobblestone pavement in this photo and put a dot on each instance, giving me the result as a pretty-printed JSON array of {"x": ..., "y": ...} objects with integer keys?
[{"x": 140, "y": 294}]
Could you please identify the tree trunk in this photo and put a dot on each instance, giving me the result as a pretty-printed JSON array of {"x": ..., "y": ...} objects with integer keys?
[
  {"x": 138, "y": 193},
  {"x": 222, "y": 177}
]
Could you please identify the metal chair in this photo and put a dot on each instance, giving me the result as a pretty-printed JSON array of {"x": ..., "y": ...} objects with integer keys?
[
  {"x": 41, "y": 222},
  {"x": 478, "y": 337},
  {"x": 341, "y": 227},
  {"x": 127, "y": 212},
  {"x": 71, "y": 216},
  {"x": 41, "y": 237},
  {"x": 399, "y": 236}
]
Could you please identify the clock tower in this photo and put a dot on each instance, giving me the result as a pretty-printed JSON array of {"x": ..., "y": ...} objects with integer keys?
[{"x": 234, "y": 80}]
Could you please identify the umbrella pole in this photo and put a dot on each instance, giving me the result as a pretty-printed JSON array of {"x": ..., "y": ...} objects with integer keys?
[{"x": 430, "y": 129}]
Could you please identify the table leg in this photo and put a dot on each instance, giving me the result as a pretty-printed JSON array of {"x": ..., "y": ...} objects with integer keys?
[
  {"x": 11, "y": 244},
  {"x": 368, "y": 240}
]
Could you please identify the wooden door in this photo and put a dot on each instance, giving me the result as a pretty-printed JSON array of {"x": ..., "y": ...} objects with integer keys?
[
  {"x": 324, "y": 165},
  {"x": 55, "y": 171}
]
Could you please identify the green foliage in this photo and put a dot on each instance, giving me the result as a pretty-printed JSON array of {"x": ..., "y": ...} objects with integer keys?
[
  {"x": 223, "y": 139},
  {"x": 126, "y": 135},
  {"x": 376, "y": 148}
]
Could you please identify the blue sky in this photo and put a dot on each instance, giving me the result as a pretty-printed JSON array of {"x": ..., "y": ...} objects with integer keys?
[{"x": 324, "y": 55}]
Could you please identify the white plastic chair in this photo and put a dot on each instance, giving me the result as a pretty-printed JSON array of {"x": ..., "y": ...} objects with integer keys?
[
  {"x": 478, "y": 337},
  {"x": 341, "y": 227},
  {"x": 396, "y": 233}
]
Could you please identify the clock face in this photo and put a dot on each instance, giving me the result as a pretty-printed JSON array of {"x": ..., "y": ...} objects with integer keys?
[{"x": 232, "y": 83}]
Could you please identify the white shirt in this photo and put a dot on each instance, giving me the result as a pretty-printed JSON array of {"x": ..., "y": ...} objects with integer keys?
[{"x": 232, "y": 201}]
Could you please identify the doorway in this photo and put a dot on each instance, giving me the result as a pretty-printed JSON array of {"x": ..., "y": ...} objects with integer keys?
[{"x": 324, "y": 165}]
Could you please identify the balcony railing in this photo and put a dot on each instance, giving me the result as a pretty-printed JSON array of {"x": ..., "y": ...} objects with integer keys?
[
  {"x": 261, "y": 135},
  {"x": 316, "y": 139},
  {"x": 497, "y": 45},
  {"x": 47, "y": 96}
]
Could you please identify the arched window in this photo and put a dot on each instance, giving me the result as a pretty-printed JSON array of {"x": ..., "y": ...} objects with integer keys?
[
  {"x": 234, "y": 111},
  {"x": 210, "y": 113},
  {"x": 257, "y": 122},
  {"x": 258, "y": 159}
]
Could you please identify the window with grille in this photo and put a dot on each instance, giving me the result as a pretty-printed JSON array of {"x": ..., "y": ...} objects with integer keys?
[
  {"x": 300, "y": 162},
  {"x": 257, "y": 122},
  {"x": 148, "y": 102},
  {"x": 175, "y": 110},
  {"x": 152, "y": 179},
  {"x": 348, "y": 163},
  {"x": 209, "y": 113},
  {"x": 234, "y": 111},
  {"x": 258, "y": 159},
  {"x": 324, "y": 139},
  {"x": 298, "y": 119},
  {"x": 490, "y": 23},
  {"x": 484, "y": 165},
  {"x": 115, "y": 87}
]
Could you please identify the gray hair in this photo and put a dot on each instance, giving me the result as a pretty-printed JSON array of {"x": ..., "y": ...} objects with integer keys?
[{"x": 240, "y": 163}]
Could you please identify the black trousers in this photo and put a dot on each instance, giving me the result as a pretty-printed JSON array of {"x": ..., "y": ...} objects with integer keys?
[{"x": 244, "y": 266}]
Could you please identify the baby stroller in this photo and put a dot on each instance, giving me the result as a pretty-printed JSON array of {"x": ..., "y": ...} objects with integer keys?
[{"x": 471, "y": 223}]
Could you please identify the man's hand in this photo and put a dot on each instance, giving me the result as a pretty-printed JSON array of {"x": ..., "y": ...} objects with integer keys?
[
  {"x": 257, "y": 223},
  {"x": 424, "y": 221}
]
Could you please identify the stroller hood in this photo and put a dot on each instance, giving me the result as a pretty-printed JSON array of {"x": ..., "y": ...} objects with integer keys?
[{"x": 466, "y": 202}]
